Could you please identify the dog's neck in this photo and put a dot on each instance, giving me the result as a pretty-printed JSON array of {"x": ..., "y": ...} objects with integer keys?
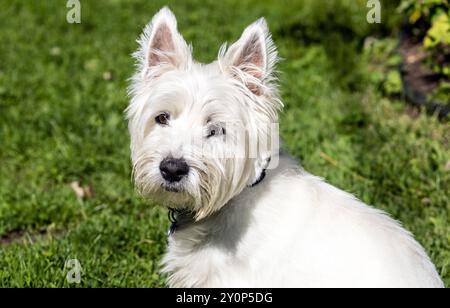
[{"x": 183, "y": 217}]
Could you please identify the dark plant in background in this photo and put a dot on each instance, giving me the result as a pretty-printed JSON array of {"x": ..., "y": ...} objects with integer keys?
[{"x": 428, "y": 24}]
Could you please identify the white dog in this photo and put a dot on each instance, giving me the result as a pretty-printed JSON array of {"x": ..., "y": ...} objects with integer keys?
[{"x": 253, "y": 218}]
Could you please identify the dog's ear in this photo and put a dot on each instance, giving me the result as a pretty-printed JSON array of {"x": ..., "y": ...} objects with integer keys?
[
  {"x": 161, "y": 45},
  {"x": 252, "y": 58}
]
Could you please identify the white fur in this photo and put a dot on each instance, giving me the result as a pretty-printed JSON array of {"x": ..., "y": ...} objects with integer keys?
[{"x": 292, "y": 229}]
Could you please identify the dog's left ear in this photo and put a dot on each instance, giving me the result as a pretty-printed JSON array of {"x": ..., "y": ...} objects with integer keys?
[{"x": 252, "y": 58}]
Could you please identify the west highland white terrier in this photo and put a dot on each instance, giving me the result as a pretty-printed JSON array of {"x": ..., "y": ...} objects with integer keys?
[{"x": 204, "y": 144}]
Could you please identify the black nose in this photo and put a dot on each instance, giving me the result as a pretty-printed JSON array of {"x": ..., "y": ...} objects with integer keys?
[{"x": 173, "y": 170}]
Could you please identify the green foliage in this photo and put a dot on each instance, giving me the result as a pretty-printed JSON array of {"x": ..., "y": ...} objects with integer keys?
[
  {"x": 439, "y": 33},
  {"x": 393, "y": 83},
  {"x": 383, "y": 63},
  {"x": 417, "y": 9},
  {"x": 431, "y": 22},
  {"x": 442, "y": 93},
  {"x": 62, "y": 96}
]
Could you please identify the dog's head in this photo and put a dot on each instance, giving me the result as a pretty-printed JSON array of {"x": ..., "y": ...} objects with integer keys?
[{"x": 201, "y": 133}]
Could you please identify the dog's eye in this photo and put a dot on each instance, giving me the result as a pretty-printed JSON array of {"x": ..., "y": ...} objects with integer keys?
[
  {"x": 215, "y": 130},
  {"x": 163, "y": 118}
]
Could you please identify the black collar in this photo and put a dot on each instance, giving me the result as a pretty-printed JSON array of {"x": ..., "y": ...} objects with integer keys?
[
  {"x": 260, "y": 178},
  {"x": 181, "y": 217},
  {"x": 263, "y": 173}
]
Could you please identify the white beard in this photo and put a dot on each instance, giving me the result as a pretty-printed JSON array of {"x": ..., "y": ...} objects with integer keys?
[{"x": 295, "y": 230}]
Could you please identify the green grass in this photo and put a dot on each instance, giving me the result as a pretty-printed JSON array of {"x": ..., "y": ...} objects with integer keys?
[{"x": 61, "y": 121}]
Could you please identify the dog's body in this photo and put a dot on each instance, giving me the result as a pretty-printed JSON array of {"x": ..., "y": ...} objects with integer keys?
[{"x": 243, "y": 229}]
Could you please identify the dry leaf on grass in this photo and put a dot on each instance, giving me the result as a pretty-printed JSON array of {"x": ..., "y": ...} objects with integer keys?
[{"x": 82, "y": 192}]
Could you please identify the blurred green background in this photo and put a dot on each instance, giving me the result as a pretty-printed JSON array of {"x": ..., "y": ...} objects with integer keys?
[{"x": 65, "y": 182}]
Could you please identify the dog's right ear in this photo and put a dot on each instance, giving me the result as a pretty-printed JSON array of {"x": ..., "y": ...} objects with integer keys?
[{"x": 162, "y": 48}]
